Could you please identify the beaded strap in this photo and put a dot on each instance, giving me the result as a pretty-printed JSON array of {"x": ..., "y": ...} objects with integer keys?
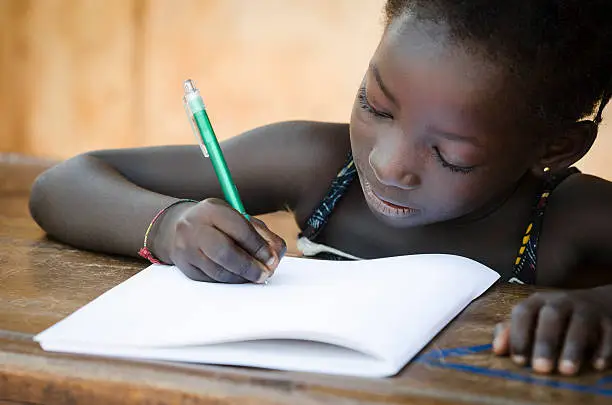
[
  {"x": 318, "y": 219},
  {"x": 524, "y": 270},
  {"x": 144, "y": 250}
]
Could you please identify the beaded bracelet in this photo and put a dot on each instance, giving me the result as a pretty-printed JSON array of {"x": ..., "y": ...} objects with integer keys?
[{"x": 144, "y": 251}]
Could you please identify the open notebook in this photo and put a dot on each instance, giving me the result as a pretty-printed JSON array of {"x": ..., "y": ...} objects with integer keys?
[{"x": 363, "y": 318}]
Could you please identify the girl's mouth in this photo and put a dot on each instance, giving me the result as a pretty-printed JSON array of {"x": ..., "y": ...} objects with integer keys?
[{"x": 384, "y": 207}]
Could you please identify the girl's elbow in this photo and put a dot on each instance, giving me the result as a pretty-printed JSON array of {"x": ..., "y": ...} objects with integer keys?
[
  {"x": 49, "y": 188},
  {"x": 39, "y": 196}
]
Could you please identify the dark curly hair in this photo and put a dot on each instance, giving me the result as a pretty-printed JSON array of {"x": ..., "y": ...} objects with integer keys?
[{"x": 559, "y": 50}]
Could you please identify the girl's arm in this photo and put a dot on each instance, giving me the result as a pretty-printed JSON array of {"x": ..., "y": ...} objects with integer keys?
[
  {"x": 577, "y": 229},
  {"x": 104, "y": 200}
]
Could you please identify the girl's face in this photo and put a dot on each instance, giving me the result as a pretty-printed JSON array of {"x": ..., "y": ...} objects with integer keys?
[{"x": 432, "y": 136}]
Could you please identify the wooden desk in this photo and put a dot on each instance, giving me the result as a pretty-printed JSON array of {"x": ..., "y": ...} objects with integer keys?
[{"x": 43, "y": 281}]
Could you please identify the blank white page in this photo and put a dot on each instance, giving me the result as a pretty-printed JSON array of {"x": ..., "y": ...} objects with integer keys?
[{"x": 373, "y": 315}]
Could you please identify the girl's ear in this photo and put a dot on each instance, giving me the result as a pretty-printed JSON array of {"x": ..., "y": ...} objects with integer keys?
[{"x": 567, "y": 147}]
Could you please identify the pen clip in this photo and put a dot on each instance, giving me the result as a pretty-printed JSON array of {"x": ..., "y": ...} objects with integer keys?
[{"x": 194, "y": 129}]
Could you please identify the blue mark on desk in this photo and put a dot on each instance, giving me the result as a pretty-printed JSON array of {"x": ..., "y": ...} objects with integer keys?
[
  {"x": 454, "y": 351},
  {"x": 605, "y": 381},
  {"x": 439, "y": 358}
]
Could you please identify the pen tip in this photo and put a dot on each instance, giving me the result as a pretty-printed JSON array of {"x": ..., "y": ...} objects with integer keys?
[{"x": 189, "y": 86}]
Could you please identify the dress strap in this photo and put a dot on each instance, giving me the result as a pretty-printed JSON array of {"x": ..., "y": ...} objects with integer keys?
[
  {"x": 320, "y": 216},
  {"x": 524, "y": 271}
]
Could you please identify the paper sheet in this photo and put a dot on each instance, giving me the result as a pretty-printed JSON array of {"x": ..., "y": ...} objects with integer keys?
[{"x": 366, "y": 318}]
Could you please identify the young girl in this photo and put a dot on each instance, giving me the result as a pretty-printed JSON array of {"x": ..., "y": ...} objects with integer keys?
[{"x": 461, "y": 141}]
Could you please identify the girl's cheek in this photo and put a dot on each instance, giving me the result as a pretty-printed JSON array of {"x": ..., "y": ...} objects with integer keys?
[
  {"x": 461, "y": 196},
  {"x": 363, "y": 138}
]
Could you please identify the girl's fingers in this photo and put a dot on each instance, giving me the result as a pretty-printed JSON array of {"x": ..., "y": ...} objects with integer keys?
[
  {"x": 581, "y": 334},
  {"x": 557, "y": 331},
  {"x": 524, "y": 317},
  {"x": 225, "y": 261},
  {"x": 551, "y": 326},
  {"x": 193, "y": 272},
  {"x": 230, "y": 222},
  {"x": 501, "y": 339},
  {"x": 276, "y": 243},
  {"x": 603, "y": 354}
]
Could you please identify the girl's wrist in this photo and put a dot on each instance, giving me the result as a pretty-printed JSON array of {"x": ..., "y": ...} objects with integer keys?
[{"x": 161, "y": 236}]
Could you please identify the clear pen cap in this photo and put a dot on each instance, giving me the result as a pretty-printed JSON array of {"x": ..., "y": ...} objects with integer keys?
[{"x": 193, "y": 103}]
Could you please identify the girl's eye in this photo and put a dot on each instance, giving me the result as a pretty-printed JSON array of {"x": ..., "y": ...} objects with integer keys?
[
  {"x": 363, "y": 101},
  {"x": 453, "y": 168}
]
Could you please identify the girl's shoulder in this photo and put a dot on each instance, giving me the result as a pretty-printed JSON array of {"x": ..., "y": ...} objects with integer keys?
[
  {"x": 302, "y": 156},
  {"x": 581, "y": 197},
  {"x": 312, "y": 153},
  {"x": 577, "y": 225}
]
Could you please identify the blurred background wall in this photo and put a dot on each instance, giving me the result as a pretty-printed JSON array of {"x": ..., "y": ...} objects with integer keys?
[
  {"x": 85, "y": 74},
  {"x": 77, "y": 75}
]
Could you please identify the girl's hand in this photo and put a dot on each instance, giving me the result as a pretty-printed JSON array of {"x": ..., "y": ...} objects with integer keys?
[
  {"x": 561, "y": 331},
  {"x": 210, "y": 241}
]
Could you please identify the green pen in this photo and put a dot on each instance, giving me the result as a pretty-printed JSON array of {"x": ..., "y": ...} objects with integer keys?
[{"x": 200, "y": 123}]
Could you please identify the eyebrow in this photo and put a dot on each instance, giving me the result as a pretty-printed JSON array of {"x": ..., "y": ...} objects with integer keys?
[{"x": 382, "y": 86}]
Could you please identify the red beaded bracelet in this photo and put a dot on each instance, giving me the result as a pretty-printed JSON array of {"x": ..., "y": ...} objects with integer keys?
[{"x": 144, "y": 251}]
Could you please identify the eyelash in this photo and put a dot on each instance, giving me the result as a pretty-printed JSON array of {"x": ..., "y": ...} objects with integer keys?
[
  {"x": 365, "y": 105},
  {"x": 453, "y": 168}
]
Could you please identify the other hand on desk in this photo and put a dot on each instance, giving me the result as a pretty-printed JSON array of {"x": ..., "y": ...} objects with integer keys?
[{"x": 563, "y": 331}]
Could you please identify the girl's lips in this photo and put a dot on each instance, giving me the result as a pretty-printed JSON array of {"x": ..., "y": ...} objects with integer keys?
[
  {"x": 390, "y": 204},
  {"x": 385, "y": 207}
]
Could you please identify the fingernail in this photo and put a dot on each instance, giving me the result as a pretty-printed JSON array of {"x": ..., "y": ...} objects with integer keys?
[
  {"x": 263, "y": 277},
  {"x": 496, "y": 337},
  {"x": 520, "y": 360},
  {"x": 600, "y": 364},
  {"x": 542, "y": 365},
  {"x": 568, "y": 367},
  {"x": 496, "y": 343},
  {"x": 271, "y": 262}
]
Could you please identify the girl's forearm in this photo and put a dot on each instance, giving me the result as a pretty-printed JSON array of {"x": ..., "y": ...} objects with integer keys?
[{"x": 88, "y": 204}]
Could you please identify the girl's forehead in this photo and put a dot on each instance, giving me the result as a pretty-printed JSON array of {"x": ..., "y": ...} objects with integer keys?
[
  {"x": 445, "y": 83},
  {"x": 416, "y": 57}
]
